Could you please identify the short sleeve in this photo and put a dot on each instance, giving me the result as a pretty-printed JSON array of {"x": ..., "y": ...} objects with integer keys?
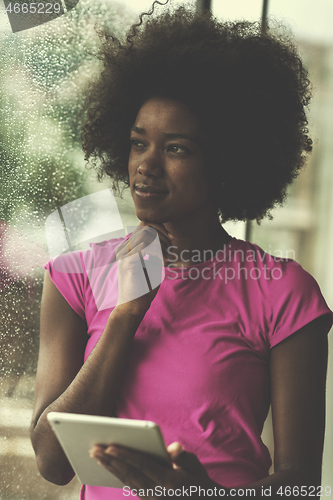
[
  {"x": 295, "y": 300},
  {"x": 67, "y": 274}
]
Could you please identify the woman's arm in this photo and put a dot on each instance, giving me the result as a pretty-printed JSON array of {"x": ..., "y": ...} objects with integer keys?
[
  {"x": 298, "y": 368},
  {"x": 64, "y": 383}
]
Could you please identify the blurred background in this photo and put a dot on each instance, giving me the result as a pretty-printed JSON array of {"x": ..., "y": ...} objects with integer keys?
[{"x": 43, "y": 77}]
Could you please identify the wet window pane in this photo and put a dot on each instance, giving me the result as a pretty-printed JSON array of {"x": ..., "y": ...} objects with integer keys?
[
  {"x": 43, "y": 77},
  {"x": 44, "y": 74},
  {"x": 302, "y": 229}
]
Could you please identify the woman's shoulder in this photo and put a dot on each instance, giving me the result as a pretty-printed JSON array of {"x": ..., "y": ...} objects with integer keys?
[
  {"x": 103, "y": 252},
  {"x": 276, "y": 279},
  {"x": 278, "y": 264},
  {"x": 290, "y": 295},
  {"x": 79, "y": 261},
  {"x": 72, "y": 272}
]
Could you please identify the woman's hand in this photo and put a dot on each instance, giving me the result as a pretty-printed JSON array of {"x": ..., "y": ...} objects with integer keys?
[
  {"x": 133, "y": 281},
  {"x": 138, "y": 471}
]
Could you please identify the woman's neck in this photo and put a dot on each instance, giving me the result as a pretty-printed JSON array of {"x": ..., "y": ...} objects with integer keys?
[{"x": 195, "y": 240}]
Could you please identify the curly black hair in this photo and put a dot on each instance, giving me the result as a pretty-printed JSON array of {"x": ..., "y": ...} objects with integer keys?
[{"x": 249, "y": 90}]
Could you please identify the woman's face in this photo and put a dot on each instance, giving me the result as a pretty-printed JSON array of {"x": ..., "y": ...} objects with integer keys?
[{"x": 167, "y": 154}]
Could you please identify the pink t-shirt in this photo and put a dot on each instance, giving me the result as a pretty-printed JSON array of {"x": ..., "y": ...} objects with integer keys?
[{"x": 199, "y": 365}]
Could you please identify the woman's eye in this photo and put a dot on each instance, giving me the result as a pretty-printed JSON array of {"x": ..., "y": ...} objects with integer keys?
[
  {"x": 136, "y": 143},
  {"x": 177, "y": 149}
]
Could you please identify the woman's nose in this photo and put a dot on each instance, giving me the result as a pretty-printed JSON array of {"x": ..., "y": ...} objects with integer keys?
[{"x": 151, "y": 164}]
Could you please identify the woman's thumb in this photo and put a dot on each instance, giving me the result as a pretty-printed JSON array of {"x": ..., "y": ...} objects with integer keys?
[{"x": 184, "y": 459}]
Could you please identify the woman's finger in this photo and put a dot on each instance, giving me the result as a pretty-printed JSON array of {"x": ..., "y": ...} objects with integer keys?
[
  {"x": 174, "y": 450},
  {"x": 148, "y": 235},
  {"x": 190, "y": 463},
  {"x": 162, "y": 234},
  {"x": 159, "y": 227},
  {"x": 129, "y": 249},
  {"x": 129, "y": 475},
  {"x": 147, "y": 466}
]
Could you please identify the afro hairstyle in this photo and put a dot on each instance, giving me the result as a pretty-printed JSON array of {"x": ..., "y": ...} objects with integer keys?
[{"x": 248, "y": 89}]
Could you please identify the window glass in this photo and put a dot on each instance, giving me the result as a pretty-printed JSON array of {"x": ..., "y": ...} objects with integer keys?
[
  {"x": 250, "y": 10},
  {"x": 303, "y": 228},
  {"x": 239, "y": 9},
  {"x": 44, "y": 73}
]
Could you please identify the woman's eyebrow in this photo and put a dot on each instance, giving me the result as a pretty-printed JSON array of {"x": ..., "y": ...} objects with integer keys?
[
  {"x": 138, "y": 130},
  {"x": 176, "y": 135},
  {"x": 181, "y": 136}
]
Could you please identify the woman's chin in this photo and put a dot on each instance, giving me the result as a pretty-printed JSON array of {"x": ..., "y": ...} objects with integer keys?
[{"x": 150, "y": 216}]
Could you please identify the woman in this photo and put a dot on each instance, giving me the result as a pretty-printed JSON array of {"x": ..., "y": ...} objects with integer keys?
[{"x": 215, "y": 117}]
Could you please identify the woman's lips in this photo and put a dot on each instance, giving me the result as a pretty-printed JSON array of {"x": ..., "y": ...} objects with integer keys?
[{"x": 148, "y": 194}]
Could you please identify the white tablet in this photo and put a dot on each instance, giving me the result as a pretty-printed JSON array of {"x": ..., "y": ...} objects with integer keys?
[{"x": 78, "y": 433}]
